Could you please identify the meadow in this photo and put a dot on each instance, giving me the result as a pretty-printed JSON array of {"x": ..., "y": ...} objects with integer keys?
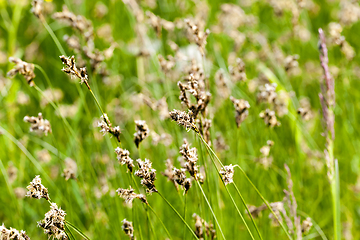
[{"x": 179, "y": 119}]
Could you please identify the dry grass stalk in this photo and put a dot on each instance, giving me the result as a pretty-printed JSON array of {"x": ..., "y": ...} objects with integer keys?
[
  {"x": 199, "y": 228},
  {"x": 106, "y": 127},
  {"x": 198, "y": 35}
]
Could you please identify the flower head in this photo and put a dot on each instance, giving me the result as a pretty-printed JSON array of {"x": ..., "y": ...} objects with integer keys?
[
  {"x": 53, "y": 223},
  {"x": 23, "y": 68},
  {"x": 227, "y": 173},
  {"x": 37, "y": 190},
  {"x": 124, "y": 158},
  {"x": 12, "y": 233},
  {"x": 184, "y": 119},
  {"x": 142, "y": 131},
  {"x": 148, "y": 175},
  {"x": 129, "y": 195},
  {"x": 128, "y": 228},
  {"x": 38, "y": 124}
]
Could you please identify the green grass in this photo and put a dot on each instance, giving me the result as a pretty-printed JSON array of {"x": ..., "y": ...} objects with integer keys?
[{"x": 99, "y": 214}]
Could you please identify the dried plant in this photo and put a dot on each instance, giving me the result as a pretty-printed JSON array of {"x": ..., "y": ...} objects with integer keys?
[
  {"x": 142, "y": 132},
  {"x": 190, "y": 157},
  {"x": 269, "y": 118},
  {"x": 227, "y": 173},
  {"x": 124, "y": 158},
  {"x": 184, "y": 119},
  {"x": 237, "y": 71},
  {"x": 23, "y": 68},
  {"x": 128, "y": 228},
  {"x": 198, "y": 35},
  {"x": 54, "y": 222},
  {"x": 200, "y": 224},
  {"x": 12, "y": 233},
  {"x": 70, "y": 169},
  {"x": 38, "y": 124},
  {"x": 37, "y": 190},
  {"x": 106, "y": 127},
  {"x": 148, "y": 175},
  {"x": 129, "y": 195},
  {"x": 241, "y": 108}
]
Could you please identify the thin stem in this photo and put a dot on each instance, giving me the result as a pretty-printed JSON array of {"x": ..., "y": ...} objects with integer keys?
[
  {"x": 53, "y": 36},
  {"x": 177, "y": 213},
  {"x": 77, "y": 230},
  {"x": 264, "y": 200},
  {"x": 166, "y": 230},
  {"x": 212, "y": 212},
  {"x": 335, "y": 190},
  {"x": 184, "y": 236},
  {"x": 247, "y": 209}
]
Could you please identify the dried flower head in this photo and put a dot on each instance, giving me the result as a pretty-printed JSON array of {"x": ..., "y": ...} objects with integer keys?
[
  {"x": 37, "y": 190},
  {"x": 237, "y": 72},
  {"x": 12, "y": 233},
  {"x": 221, "y": 84},
  {"x": 305, "y": 109},
  {"x": 166, "y": 65},
  {"x": 269, "y": 118},
  {"x": 54, "y": 222},
  {"x": 241, "y": 108},
  {"x": 106, "y": 127},
  {"x": 23, "y": 68},
  {"x": 199, "y": 228},
  {"x": 148, "y": 175},
  {"x": 142, "y": 131},
  {"x": 291, "y": 64},
  {"x": 190, "y": 157},
  {"x": 124, "y": 158},
  {"x": 227, "y": 173},
  {"x": 179, "y": 176},
  {"x": 37, "y": 8},
  {"x": 72, "y": 70},
  {"x": 128, "y": 228},
  {"x": 70, "y": 169},
  {"x": 306, "y": 225},
  {"x": 38, "y": 124},
  {"x": 198, "y": 35},
  {"x": 267, "y": 93},
  {"x": 184, "y": 119},
  {"x": 129, "y": 195}
]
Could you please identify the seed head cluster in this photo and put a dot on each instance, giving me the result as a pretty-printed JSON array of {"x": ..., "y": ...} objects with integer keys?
[
  {"x": 184, "y": 119},
  {"x": 190, "y": 157},
  {"x": 106, "y": 127},
  {"x": 38, "y": 124},
  {"x": 37, "y": 190},
  {"x": 199, "y": 228},
  {"x": 142, "y": 132},
  {"x": 128, "y": 228},
  {"x": 241, "y": 108},
  {"x": 72, "y": 70},
  {"x": 123, "y": 156},
  {"x": 54, "y": 222},
  {"x": 198, "y": 35},
  {"x": 12, "y": 233},
  {"x": 148, "y": 175},
  {"x": 227, "y": 173},
  {"x": 129, "y": 195},
  {"x": 23, "y": 68}
]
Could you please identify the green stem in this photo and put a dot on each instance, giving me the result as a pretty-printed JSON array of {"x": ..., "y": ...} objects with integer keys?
[
  {"x": 177, "y": 213},
  {"x": 211, "y": 210},
  {"x": 247, "y": 209},
  {"x": 335, "y": 192},
  {"x": 53, "y": 36},
  {"x": 76, "y": 229},
  {"x": 162, "y": 223}
]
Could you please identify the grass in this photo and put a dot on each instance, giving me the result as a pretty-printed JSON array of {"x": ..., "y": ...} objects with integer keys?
[{"x": 92, "y": 206}]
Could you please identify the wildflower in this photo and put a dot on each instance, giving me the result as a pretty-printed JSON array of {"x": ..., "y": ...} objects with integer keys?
[
  {"x": 147, "y": 174},
  {"x": 70, "y": 169},
  {"x": 237, "y": 72},
  {"x": 227, "y": 173},
  {"x": 72, "y": 70},
  {"x": 38, "y": 124},
  {"x": 198, "y": 35},
  {"x": 190, "y": 157},
  {"x": 23, "y": 68},
  {"x": 54, "y": 222},
  {"x": 269, "y": 118},
  {"x": 12, "y": 233},
  {"x": 128, "y": 228},
  {"x": 128, "y": 195},
  {"x": 106, "y": 127},
  {"x": 142, "y": 131},
  {"x": 184, "y": 119},
  {"x": 37, "y": 8},
  {"x": 37, "y": 190},
  {"x": 124, "y": 158},
  {"x": 241, "y": 108}
]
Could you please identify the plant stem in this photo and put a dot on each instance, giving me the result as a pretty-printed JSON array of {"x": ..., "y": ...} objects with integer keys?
[
  {"x": 212, "y": 212},
  {"x": 166, "y": 230},
  {"x": 177, "y": 213}
]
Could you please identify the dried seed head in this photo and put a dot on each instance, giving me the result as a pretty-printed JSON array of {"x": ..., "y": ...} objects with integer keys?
[
  {"x": 128, "y": 228},
  {"x": 54, "y": 222},
  {"x": 23, "y": 68},
  {"x": 147, "y": 174},
  {"x": 128, "y": 195},
  {"x": 38, "y": 124},
  {"x": 269, "y": 118},
  {"x": 221, "y": 84},
  {"x": 291, "y": 63},
  {"x": 267, "y": 93},
  {"x": 305, "y": 109},
  {"x": 37, "y": 190},
  {"x": 184, "y": 119},
  {"x": 199, "y": 228},
  {"x": 72, "y": 70},
  {"x": 237, "y": 72},
  {"x": 70, "y": 169},
  {"x": 37, "y": 8},
  {"x": 227, "y": 173},
  {"x": 198, "y": 35},
  {"x": 12, "y": 233},
  {"x": 124, "y": 158},
  {"x": 166, "y": 65},
  {"x": 241, "y": 108},
  {"x": 142, "y": 131},
  {"x": 106, "y": 127},
  {"x": 306, "y": 225},
  {"x": 190, "y": 157}
]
